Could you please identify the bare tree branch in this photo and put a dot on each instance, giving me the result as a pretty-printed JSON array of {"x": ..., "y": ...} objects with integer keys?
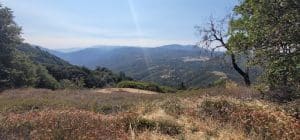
[{"x": 215, "y": 36}]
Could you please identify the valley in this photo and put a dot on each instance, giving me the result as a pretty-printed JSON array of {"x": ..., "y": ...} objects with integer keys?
[{"x": 168, "y": 65}]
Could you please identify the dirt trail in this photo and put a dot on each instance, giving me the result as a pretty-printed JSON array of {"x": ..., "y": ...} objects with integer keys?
[{"x": 126, "y": 90}]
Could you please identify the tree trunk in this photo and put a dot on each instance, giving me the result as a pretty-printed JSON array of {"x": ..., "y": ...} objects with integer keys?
[{"x": 245, "y": 75}]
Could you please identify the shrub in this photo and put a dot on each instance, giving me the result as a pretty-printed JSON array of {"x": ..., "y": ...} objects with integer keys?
[
  {"x": 173, "y": 107},
  {"x": 144, "y": 124},
  {"x": 217, "y": 109},
  {"x": 45, "y": 80},
  {"x": 219, "y": 83},
  {"x": 161, "y": 126},
  {"x": 108, "y": 109},
  {"x": 266, "y": 124},
  {"x": 167, "y": 89},
  {"x": 169, "y": 127},
  {"x": 67, "y": 84}
]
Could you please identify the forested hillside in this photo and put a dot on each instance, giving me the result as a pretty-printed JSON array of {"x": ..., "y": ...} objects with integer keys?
[
  {"x": 68, "y": 75},
  {"x": 23, "y": 65},
  {"x": 170, "y": 65}
]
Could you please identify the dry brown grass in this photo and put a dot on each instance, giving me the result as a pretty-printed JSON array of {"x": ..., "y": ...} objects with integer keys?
[
  {"x": 24, "y": 100},
  {"x": 233, "y": 113},
  {"x": 62, "y": 124},
  {"x": 255, "y": 118}
]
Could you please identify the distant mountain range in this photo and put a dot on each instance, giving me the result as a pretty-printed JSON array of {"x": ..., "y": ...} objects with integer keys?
[{"x": 168, "y": 65}]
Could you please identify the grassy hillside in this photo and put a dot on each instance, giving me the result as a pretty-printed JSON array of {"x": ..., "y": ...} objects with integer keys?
[{"x": 215, "y": 113}]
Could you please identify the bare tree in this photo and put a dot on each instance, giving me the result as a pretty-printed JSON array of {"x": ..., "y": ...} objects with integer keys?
[{"x": 215, "y": 36}]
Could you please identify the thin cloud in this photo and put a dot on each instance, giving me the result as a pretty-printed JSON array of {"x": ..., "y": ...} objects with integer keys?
[{"x": 74, "y": 42}]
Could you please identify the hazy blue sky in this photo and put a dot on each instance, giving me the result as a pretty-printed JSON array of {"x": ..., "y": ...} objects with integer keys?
[{"x": 83, "y": 23}]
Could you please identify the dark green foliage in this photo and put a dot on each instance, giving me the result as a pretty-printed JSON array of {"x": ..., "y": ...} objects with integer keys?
[
  {"x": 38, "y": 55},
  {"x": 271, "y": 29},
  {"x": 101, "y": 77},
  {"x": 45, "y": 80},
  {"x": 16, "y": 70},
  {"x": 67, "y": 84},
  {"x": 21, "y": 72},
  {"x": 10, "y": 31},
  {"x": 146, "y": 86},
  {"x": 98, "y": 78}
]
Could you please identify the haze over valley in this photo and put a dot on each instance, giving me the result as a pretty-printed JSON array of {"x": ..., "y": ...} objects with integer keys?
[{"x": 168, "y": 65}]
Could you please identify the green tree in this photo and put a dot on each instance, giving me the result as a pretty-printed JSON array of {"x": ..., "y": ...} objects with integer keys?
[
  {"x": 271, "y": 30},
  {"x": 15, "y": 68},
  {"x": 45, "y": 80}
]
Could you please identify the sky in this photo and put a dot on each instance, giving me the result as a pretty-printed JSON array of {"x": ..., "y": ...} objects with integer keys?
[{"x": 61, "y": 24}]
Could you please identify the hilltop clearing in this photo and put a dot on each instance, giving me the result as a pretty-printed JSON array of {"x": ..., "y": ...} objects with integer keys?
[{"x": 215, "y": 113}]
